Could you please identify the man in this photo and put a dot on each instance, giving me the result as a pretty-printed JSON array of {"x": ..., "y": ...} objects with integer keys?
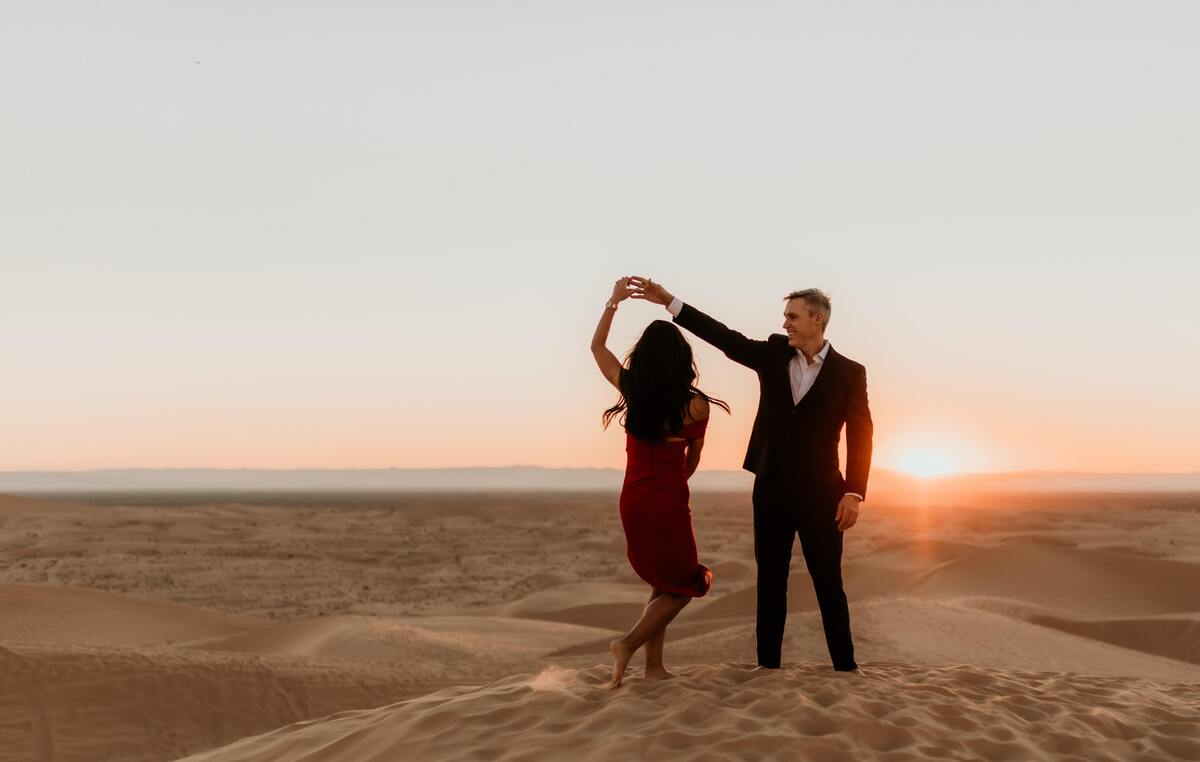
[{"x": 807, "y": 393}]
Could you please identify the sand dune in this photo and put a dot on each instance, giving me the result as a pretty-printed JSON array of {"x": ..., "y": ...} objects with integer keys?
[
  {"x": 12, "y": 506},
  {"x": 607, "y": 605},
  {"x": 995, "y": 633},
  {"x": 81, "y": 704},
  {"x": 931, "y": 632},
  {"x": 882, "y": 572},
  {"x": 563, "y": 597},
  {"x": 474, "y": 644},
  {"x": 918, "y": 555},
  {"x": 680, "y": 631},
  {"x": 54, "y": 614},
  {"x": 744, "y": 602},
  {"x": 87, "y": 702},
  {"x": 1174, "y": 636},
  {"x": 1083, "y": 582},
  {"x": 942, "y": 632},
  {"x": 724, "y": 710},
  {"x": 608, "y": 616}
]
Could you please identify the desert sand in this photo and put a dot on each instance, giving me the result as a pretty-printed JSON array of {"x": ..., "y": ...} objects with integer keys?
[{"x": 343, "y": 628}]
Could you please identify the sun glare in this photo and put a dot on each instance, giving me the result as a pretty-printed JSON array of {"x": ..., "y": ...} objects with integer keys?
[{"x": 926, "y": 464}]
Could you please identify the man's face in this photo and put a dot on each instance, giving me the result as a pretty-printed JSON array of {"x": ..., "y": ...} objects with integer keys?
[{"x": 801, "y": 325}]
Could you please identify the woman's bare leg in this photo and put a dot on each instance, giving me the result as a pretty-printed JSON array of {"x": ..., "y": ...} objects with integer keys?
[
  {"x": 657, "y": 615},
  {"x": 654, "y": 648},
  {"x": 655, "y": 669}
]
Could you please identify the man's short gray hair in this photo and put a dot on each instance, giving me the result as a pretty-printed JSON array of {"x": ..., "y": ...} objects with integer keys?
[{"x": 816, "y": 299}]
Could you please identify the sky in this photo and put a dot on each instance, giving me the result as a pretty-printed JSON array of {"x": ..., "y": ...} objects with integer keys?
[{"x": 379, "y": 234}]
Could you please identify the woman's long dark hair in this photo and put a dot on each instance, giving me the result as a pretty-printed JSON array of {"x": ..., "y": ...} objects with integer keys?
[{"x": 657, "y": 383}]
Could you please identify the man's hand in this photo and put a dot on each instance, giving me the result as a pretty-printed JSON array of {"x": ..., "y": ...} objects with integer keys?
[
  {"x": 646, "y": 289},
  {"x": 847, "y": 512}
]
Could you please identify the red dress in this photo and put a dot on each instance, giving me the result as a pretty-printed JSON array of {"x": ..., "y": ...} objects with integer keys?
[{"x": 656, "y": 515}]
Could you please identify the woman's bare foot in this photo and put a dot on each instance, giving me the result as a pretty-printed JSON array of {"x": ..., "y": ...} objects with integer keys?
[
  {"x": 658, "y": 673},
  {"x": 621, "y": 655}
]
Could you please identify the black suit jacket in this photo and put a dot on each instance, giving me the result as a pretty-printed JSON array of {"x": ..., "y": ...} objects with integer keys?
[{"x": 801, "y": 440}]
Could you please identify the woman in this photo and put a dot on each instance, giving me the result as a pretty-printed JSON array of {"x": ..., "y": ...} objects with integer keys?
[{"x": 664, "y": 416}]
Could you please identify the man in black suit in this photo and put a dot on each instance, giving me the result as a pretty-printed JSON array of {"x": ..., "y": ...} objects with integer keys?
[{"x": 807, "y": 393}]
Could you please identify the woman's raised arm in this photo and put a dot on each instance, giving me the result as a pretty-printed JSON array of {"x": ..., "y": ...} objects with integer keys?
[{"x": 608, "y": 363}]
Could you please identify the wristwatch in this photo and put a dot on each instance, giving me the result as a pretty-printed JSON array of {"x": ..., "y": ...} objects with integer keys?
[{"x": 610, "y": 305}]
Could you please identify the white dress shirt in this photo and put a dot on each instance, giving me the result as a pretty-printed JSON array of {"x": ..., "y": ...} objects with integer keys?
[{"x": 801, "y": 373}]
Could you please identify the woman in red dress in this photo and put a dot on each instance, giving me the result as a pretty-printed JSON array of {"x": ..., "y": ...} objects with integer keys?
[{"x": 664, "y": 416}]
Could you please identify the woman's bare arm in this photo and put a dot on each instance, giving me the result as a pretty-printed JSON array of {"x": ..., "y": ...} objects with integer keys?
[
  {"x": 698, "y": 410},
  {"x": 608, "y": 363},
  {"x": 692, "y": 462}
]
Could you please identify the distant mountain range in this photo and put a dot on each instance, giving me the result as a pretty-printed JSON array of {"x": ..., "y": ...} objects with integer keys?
[{"x": 534, "y": 478}]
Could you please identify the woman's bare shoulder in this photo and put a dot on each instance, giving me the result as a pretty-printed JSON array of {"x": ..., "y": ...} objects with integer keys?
[{"x": 698, "y": 408}]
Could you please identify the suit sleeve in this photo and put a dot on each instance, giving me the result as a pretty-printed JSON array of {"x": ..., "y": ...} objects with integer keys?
[
  {"x": 748, "y": 352},
  {"x": 859, "y": 431}
]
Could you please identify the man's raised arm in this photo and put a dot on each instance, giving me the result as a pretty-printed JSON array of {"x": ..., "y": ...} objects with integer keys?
[{"x": 748, "y": 352}]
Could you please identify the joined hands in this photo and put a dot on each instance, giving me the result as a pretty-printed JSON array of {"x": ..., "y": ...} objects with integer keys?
[
  {"x": 622, "y": 290},
  {"x": 647, "y": 290}
]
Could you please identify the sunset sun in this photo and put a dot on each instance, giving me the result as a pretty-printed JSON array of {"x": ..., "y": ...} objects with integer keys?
[{"x": 927, "y": 463}]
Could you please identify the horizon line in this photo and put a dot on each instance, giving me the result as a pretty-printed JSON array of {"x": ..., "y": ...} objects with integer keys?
[{"x": 1027, "y": 472}]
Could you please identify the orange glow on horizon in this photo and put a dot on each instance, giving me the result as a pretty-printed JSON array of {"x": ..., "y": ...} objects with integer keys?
[
  {"x": 927, "y": 464},
  {"x": 929, "y": 452}
]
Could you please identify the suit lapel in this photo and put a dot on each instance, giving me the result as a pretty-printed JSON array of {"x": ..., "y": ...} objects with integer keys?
[
  {"x": 784, "y": 375},
  {"x": 828, "y": 368}
]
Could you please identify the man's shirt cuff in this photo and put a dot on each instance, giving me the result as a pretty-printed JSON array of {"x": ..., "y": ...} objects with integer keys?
[
  {"x": 860, "y": 497},
  {"x": 675, "y": 307}
]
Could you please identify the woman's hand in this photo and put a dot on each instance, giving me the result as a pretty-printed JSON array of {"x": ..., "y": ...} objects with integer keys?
[{"x": 622, "y": 290}]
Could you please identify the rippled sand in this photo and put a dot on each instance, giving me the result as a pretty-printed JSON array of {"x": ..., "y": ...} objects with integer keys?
[{"x": 365, "y": 627}]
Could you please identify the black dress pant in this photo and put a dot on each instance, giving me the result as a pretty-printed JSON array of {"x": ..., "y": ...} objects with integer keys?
[{"x": 785, "y": 508}]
